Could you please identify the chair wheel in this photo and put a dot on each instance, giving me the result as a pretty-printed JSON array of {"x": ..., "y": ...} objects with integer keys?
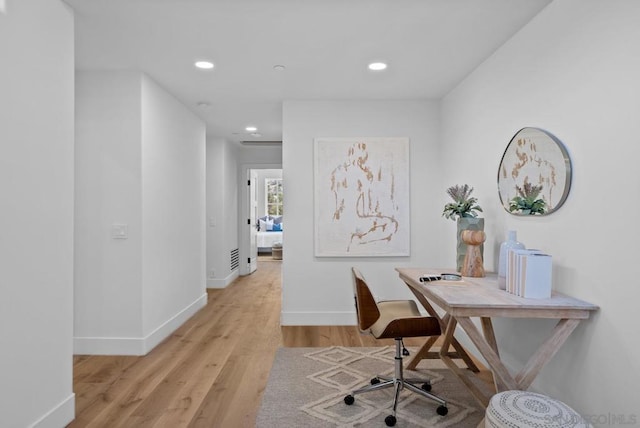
[
  {"x": 426, "y": 387},
  {"x": 348, "y": 400},
  {"x": 375, "y": 381},
  {"x": 442, "y": 410},
  {"x": 390, "y": 420}
]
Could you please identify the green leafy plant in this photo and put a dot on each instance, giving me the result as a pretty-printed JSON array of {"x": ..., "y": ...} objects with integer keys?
[
  {"x": 464, "y": 204},
  {"x": 527, "y": 201}
]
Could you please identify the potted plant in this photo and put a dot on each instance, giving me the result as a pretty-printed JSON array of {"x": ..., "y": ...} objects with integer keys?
[
  {"x": 464, "y": 205},
  {"x": 527, "y": 201},
  {"x": 464, "y": 211}
]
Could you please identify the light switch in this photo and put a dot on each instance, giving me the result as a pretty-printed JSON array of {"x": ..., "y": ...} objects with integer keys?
[
  {"x": 119, "y": 231},
  {"x": 212, "y": 221}
]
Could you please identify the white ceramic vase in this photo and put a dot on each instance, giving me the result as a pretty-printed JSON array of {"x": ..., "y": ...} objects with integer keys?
[{"x": 510, "y": 244}]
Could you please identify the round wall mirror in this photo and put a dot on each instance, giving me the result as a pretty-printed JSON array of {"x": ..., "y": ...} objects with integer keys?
[{"x": 535, "y": 173}]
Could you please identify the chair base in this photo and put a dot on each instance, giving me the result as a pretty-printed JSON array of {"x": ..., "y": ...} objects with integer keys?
[{"x": 399, "y": 382}]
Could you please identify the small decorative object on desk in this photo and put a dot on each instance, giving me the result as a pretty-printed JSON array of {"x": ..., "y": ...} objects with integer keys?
[
  {"x": 464, "y": 210},
  {"x": 529, "y": 274},
  {"x": 510, "y": 244},
  {"x": 472, "y": 265}
]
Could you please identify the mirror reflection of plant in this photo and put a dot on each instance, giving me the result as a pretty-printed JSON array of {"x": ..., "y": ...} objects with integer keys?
[
  {"x": 464, "y": 204},
  {"x": 527, "y": 201}
]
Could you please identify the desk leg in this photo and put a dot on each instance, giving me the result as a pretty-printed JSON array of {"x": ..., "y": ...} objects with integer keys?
[
  {"x": 427, "y": 306},
  {"x": 501, "y": 375},
  {"x": 461, "y": 374},
  {"x": 460, "y": 351},
  {"x": 423, "y": 352},
  {"x": 490, "y": 337},
  {"x": 545, "y": 352},
  {"x": 487, "y": 329}
]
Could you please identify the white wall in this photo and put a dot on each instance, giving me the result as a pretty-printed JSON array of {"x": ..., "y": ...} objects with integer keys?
[
  {"x": 140, "y": 162},
  {"x": 231, "y": 194},
  {"x": 36, "y": 240},
  {"x": 260, "y": 155},
  {"x": 217, "y": 269},
  {"x": 319, "y": 290},
  {"x": 173, "y": 212},
  {"x": 222, "y": 211},
  {"x": 108, "y": 159},
  {"x": 573, "y": 71}
]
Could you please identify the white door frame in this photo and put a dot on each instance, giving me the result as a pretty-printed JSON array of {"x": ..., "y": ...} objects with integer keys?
[{"x": 244, "y": 235}]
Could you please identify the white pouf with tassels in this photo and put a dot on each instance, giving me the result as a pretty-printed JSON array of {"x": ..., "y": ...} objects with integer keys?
[{"x": 524, "y": 409}]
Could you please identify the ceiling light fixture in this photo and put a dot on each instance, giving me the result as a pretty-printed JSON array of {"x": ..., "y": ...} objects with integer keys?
[
  {"x": 251, "y": 129},
  {"x": 279, "y": 67},
  {"x": 377, "y": 66},
  {"x": 205, "y": 65},
  {"x": 204, "y": 104}
]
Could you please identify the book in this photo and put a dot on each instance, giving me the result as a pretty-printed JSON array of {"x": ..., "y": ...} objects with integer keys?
[
  {"x": 529, "y": 273},
  {"x": 535, "y": 276}
]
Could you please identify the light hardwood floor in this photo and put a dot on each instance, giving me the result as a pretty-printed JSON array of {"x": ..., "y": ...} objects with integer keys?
[{"x": 211, "y": 372}]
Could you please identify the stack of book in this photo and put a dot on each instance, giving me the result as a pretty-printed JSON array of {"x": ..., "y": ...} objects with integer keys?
[{"x": 529, "y": 274}]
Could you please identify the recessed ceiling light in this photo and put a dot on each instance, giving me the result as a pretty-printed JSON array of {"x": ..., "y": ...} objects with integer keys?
[
  {"x": 251, "y": 129},
  {"x": 377, "y": 66},
  {"x": 204, "y": 104},
  {"x": 279, "y": 67},
  {"x": 205, "y": 65}
]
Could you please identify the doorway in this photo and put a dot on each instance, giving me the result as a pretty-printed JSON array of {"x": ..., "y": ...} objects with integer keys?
[{"x": 263, "y": 208}]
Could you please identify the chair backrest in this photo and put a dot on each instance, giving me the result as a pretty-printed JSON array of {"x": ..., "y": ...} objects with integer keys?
[{"x": 366, "y": 307}]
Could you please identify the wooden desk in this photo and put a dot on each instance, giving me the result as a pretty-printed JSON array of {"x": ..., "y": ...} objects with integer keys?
[{"x": 481, "y": 297}]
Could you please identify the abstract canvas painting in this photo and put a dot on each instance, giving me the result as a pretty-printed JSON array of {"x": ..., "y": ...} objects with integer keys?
[{"x": 361, "y": 197}]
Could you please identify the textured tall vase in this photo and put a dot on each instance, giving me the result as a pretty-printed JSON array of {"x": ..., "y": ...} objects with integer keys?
[{"x": 467, "y": 223}]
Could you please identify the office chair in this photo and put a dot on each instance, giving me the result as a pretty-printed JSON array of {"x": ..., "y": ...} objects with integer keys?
[{"x": 393, "y": 319}]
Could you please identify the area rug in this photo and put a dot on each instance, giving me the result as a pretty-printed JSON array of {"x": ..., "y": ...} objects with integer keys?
[{"x": 306, "y": 388}]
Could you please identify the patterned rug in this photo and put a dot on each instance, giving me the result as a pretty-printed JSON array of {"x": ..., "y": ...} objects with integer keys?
[{"x": 306, "y": 388}]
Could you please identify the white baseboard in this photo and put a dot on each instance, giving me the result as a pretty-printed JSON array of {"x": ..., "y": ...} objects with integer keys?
[
  {"x": 108, "y": 346},
  {"x": 318, "y": 318},
  {"x": 172, "y": 324},
  {"x": 60, "y": 416},
  {"x": 223, "y": 282},
  {"x": 136, "y": 345}
]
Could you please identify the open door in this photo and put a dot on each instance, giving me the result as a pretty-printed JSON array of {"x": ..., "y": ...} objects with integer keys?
[{"x": 253, "y": 219}]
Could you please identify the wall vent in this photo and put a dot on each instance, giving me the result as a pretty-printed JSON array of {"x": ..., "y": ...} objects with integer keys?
[{"x": 235, "y": 259}]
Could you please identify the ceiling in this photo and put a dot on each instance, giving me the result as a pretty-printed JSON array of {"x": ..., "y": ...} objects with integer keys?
[{"x": 325, "y": 46}]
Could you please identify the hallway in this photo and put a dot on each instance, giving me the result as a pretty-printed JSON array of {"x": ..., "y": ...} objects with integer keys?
[{"x": 211, "y": 372}]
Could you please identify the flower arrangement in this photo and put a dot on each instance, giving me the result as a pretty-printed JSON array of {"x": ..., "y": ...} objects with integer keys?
[
  {"x": 527, "y": 201},
  {"x": 464, "y": 204}
]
